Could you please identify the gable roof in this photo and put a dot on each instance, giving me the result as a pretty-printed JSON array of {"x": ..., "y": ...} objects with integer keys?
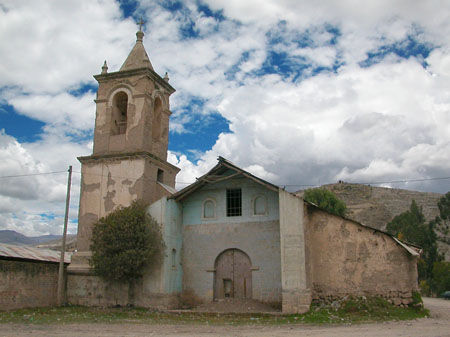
[{"x": 216, "y": 174}]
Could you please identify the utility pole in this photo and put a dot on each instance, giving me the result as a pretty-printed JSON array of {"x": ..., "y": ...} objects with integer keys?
[{"x": 63, "y": 245}]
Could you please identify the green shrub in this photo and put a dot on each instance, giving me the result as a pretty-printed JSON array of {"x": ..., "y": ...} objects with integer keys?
[
  {"x": 441, "y": 276},
  {"x": 124, "y": 243},
  {"x": 416, "y": 299},
  {"x": 325, "y": 200}
]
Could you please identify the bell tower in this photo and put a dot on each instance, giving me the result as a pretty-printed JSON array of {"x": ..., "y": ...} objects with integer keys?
[{"x": 129, "y": 159}]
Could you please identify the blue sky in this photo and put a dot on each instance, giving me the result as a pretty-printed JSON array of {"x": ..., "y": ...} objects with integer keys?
[{"x": 298, "y": 92}]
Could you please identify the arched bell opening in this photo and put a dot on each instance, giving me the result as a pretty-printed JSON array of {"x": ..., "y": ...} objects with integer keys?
[
  {"x": 233, "y": 275},
  {"x": 119, "y": 113},
  {"x": 156, "y": 124}
]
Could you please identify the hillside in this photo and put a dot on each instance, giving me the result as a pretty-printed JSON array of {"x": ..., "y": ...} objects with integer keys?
[
  {"x": 45, "y": 241},
  {"x": 376, "y": 206},
  {"x": 15, "y": 238}
]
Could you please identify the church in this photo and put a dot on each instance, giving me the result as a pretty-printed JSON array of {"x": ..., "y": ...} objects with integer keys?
[{"x": 228, "y": 235}]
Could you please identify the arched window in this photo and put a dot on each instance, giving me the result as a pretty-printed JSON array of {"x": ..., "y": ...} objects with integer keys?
[
  {"x": 260, "y": 205},
  {"x": 119, "y": 113},
  {"x": 174, "y": 258},
  {"x": 209, "y": 209},
  {"x": 156, "y": 124}
]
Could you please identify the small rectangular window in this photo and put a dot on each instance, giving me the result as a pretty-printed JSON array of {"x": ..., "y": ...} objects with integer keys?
[
  {"x": 160, "y": 176},
  {"x": 234, "y": 202}
]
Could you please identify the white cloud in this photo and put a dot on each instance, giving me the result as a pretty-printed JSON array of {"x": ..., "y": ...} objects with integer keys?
[
  {"x": 390, "y": 120},
  {"x": 56, "y": 45},
  {"x": 385, "y": 121},
  {"x": 62, "y": 110},
  {"x": 28, "y": 200}
]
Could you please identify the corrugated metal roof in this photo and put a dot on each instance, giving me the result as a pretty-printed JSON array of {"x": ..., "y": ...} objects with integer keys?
[{"x": 32, "y": 253}]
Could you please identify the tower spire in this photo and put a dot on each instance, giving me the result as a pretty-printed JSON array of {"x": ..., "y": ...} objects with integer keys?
[{"x": 138, "y": 57}]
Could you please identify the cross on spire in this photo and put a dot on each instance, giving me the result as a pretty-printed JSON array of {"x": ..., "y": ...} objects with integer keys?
[{"x": 140, "y": 23}]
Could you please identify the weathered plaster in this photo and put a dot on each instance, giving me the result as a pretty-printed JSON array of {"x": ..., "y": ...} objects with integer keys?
[
  {"x": 203, "y": 243},
  {"x": 349, "y": 259},
  {"x": 296, "y": 289}
]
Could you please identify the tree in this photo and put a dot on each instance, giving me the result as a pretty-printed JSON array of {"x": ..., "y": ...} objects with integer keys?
[
  {"x": 325, "y": 200},
  {"x": 441, "y": 276},
  {"x": 444, "y": 207},
  {"x": 443, "y": 219},
  {"x": 124, "y": 243},
  {"x": 410, "y": 226}
]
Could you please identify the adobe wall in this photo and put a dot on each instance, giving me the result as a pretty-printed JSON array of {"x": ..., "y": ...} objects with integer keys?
[
  {"x": 349, "y": 259},
  {"x": 27, "y": 284}
]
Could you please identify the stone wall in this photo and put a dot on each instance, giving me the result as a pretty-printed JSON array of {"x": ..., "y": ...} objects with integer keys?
[
  {"x": 350, "y": 259},
  {"x": 27, "y": 284},
  {"x": 90, "y": 290}
]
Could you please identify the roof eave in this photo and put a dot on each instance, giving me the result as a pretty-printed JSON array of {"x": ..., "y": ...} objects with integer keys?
[{"x": 222, "y": 163}]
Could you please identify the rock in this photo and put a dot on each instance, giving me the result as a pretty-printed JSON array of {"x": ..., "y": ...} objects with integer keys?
[{"x": 335, "y": 305}]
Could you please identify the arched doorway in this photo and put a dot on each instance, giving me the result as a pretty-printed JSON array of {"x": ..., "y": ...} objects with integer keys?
[{"x": 233, "y": 276}]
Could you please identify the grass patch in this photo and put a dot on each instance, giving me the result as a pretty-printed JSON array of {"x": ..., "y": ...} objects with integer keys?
[{"x": 350, "y": 311}]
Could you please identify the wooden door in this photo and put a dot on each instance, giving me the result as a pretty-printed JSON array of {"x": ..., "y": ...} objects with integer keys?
[{"x": 233, "y": 276}]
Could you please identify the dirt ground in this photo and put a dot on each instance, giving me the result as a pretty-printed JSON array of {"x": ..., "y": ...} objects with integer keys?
[
  {"x": 436, "y": 326},
  {"x": 236, "y": 306}
]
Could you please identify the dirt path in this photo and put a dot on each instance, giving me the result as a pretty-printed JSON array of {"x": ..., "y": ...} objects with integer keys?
[
  {"x": 436, "y": 326},
  {"x": 438, "y": 307}
]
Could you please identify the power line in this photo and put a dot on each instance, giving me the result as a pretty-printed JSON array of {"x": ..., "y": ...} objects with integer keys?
[
  {"x": 281, "y": 185},
  {"x": 299, "y": 185},
  {"x": 378, "y": 182},
  {"x": 32, "y": 174}
]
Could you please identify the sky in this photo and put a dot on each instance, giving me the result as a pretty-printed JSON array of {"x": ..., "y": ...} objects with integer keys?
[{"x": 300, "y": 93}]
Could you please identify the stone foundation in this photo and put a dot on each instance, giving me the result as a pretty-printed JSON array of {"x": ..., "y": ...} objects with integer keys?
[
  {"x": 91, "y": 290},
  {"x": 395, "y": 297},
  {"x": 85, "y": 288}
]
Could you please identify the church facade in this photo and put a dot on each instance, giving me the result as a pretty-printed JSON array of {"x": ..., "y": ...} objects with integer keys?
[{"x": 228, "y": 235}]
